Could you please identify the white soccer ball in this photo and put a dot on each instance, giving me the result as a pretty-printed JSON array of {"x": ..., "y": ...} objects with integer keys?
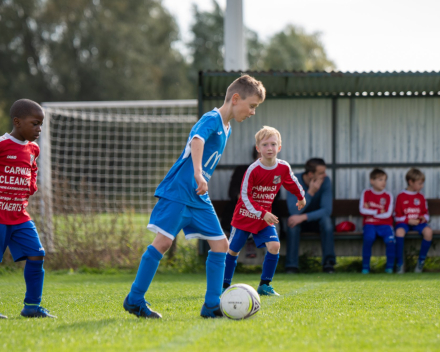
[{"x": 239, "y": 301}]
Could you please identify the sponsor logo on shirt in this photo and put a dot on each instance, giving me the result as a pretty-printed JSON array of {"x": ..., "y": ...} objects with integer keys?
[
  {"x": 214, "y": 157},
  {"x": 383, "y": 201},
  {"x": 11, "y": 157},
  {"x": 276, "y": 179},
  {"x": 416, "y": 201},
  {"x": 406, "y": 202}
]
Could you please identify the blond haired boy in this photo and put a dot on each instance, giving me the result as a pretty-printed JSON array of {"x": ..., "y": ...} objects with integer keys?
[
  {"x": 184, "y": 202},
  {"x": 261, "y": 183},
  {"x": 411, "y": 214}
]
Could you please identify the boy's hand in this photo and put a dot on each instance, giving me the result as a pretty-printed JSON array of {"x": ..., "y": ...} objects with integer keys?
[
  {"x": 413, "y": 222},
  {"x": 301, "y": 203},
  {"x": 202, "y": 185},
  {"x": 270, "y": 218},
  {"x": 422, "y": 220}
]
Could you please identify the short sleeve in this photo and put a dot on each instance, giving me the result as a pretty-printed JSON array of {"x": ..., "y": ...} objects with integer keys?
[{"x": 206, "y": 126}]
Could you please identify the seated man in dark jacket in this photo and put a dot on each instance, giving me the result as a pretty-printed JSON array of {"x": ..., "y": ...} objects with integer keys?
[{"x": 315, "y": 217}]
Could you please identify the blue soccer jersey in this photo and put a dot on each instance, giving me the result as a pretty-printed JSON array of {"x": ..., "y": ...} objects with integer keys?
[{"x": 179, "y": 184}]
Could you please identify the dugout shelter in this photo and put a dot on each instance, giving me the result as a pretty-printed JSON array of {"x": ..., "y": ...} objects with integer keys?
[{"x": 354, "y": 121}]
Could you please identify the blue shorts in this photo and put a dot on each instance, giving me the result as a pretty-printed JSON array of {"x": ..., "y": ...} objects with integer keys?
[
  {"x": 169, "y": 217},
  {"x": 22, "y": 240},
  {"x": 238, "y": 238},
  {"x": 419, "y": 228},
  {"x": 384, "y": 231}
]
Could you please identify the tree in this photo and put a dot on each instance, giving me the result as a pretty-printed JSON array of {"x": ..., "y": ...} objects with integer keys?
[
  {"x": 293, "y": 49},
  {"x": 52, "y": 50}
]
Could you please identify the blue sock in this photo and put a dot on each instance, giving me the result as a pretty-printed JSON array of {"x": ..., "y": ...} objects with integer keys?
[
  {"x": 269, "y": 266},
  {"x": 400, "y": 241},
  {"x": 147, "y": 269},
  {"x": 215, "y": 272},
  {"x": 424, "y": 250},
  {"x": 390, "y": 250},
  {"x": 231, "y": 264},
  {"x": 366, "y": 252},
  {"x": 34, "y": 278}
]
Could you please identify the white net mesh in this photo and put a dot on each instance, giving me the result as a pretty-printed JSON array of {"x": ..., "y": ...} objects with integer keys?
[{"x": 110, "y": 156}]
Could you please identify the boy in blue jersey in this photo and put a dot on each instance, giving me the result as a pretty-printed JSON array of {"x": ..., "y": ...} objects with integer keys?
[{"x": 184, "y": 202}]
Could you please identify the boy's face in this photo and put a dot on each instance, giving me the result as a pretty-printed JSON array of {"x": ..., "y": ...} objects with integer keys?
[
  {"x": 416, "y": 186},
  {"x": 244, "y": 108},
  {"x": 379, "y": 183},
  {"x": 269, "y": 147},
  {"x": 29, "y": 127}
]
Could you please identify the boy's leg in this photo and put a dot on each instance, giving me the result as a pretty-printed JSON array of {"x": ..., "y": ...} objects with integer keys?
[
  {"x": 401, "y": 230},
  {"x": 25, "y": 245},
  {"x": 147, "y": 269},
  {"x": 166, "y": 231},
  {"x": 387, "y": 233},
  {"x": 237, "y": 240},
  {"x": 368, "y": 240},
  {"x": 424, "y": 248},
  {"x": 269, "y": 266}
]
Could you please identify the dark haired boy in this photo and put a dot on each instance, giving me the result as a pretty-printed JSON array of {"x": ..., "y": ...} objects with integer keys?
[
  {"x": 376, "y": 206},
  {"x": 18, "y": 181},
  {"x": 411, "y": 214}
]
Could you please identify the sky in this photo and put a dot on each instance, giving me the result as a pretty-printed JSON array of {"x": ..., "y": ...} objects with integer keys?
[{"x": 358, "y": 35}]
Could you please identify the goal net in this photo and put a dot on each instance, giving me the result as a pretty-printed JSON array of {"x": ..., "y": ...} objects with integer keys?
[{"x": 107, "y": 157}]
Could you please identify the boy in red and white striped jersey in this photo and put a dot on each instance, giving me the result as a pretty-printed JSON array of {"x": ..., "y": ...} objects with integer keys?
[
  {"x": 411, "y": 214},
  {"x": 376, "y": 205},
  {"x": 252, "y": 215}
]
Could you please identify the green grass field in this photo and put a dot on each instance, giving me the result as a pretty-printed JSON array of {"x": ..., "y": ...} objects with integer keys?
[{"x": 317, "y": 312}]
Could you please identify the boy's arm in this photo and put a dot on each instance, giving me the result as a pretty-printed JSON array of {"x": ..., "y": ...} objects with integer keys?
[
  {"x": 197, "y": 145},
  {"x": 425, "y": 212},
  {"x": 291, "y": 184},
  {"x": 389, "y": 211},
  {"x": 246, "y": 195},
  {"x": 363, "y": 209},
  {"x": 34, "y": 170},
  {"x": 399, "y": 215}
]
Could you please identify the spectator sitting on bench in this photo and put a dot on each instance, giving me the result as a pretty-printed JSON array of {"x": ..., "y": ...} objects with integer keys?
[
  {"x": 315, "y": 217},
  {"x": 411, "y": 214},
  {"x": 376, "y": 206}
]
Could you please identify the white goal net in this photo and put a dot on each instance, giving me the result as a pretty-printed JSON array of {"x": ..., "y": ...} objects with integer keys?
[{"x": 108, "y": 157}]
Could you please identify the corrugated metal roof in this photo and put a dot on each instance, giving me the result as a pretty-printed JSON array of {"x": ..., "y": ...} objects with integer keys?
[{"x": 291, "y": 84}]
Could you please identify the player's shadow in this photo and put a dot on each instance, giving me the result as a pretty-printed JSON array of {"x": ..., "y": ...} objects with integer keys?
[{"x": 92, "y": 325}]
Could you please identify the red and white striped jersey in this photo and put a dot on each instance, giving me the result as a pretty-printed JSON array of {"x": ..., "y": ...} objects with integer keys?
[
  {"x": 410, "y": 205},
  {"x": 376, "y": 207},
  {"x": 259, "y": 187},
  {"x": 18, "y": 178}
]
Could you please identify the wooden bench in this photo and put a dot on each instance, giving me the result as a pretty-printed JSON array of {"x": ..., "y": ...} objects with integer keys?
[{"x": 350, "y": 243}]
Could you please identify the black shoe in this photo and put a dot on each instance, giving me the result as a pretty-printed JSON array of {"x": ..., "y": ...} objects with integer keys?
[
  {"x": 328, "y": 268},
  {"x": 292, "y": 270},
  {"x": 141, "y": 311}
]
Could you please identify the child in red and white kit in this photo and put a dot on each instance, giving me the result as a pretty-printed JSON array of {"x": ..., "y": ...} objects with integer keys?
[
  {"x": 411, "y": 214},
  {"x": 376, "y": 205}
]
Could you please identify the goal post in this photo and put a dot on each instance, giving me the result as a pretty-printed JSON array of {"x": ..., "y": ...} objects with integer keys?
[{"x": 107, "y": 157}]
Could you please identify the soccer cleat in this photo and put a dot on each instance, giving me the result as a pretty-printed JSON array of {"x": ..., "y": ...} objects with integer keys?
[
  {"x": 365, "y": 271},
  {"x": 3, "y": 316},
  {"x": 328, "y": 268},
  {"x": 36, "y": 312},
  {"x": 400, "y": 269},
  {"x": 141, "y": 311},
  {"x": 267, "y": 290},
  {"x": 388, "y": 270},
  {"x": 419, "y": 267},
  {"x": 213, "y": 312}
]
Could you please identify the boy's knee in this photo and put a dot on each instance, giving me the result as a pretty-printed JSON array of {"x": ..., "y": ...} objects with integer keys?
[
  {"x": 36, "y": 258},
  {"x": 273, "y": 247},
  {"x": 220, "y": 246},
  {"x": 162, "y": 243},
  {"x": 400, "y": 232},
  {"x": 427, "y": 234},
  {"x": 231, "y": 252}
]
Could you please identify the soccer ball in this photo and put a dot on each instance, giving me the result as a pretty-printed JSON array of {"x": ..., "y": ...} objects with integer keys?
[{"x": 239, "y": 301}]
